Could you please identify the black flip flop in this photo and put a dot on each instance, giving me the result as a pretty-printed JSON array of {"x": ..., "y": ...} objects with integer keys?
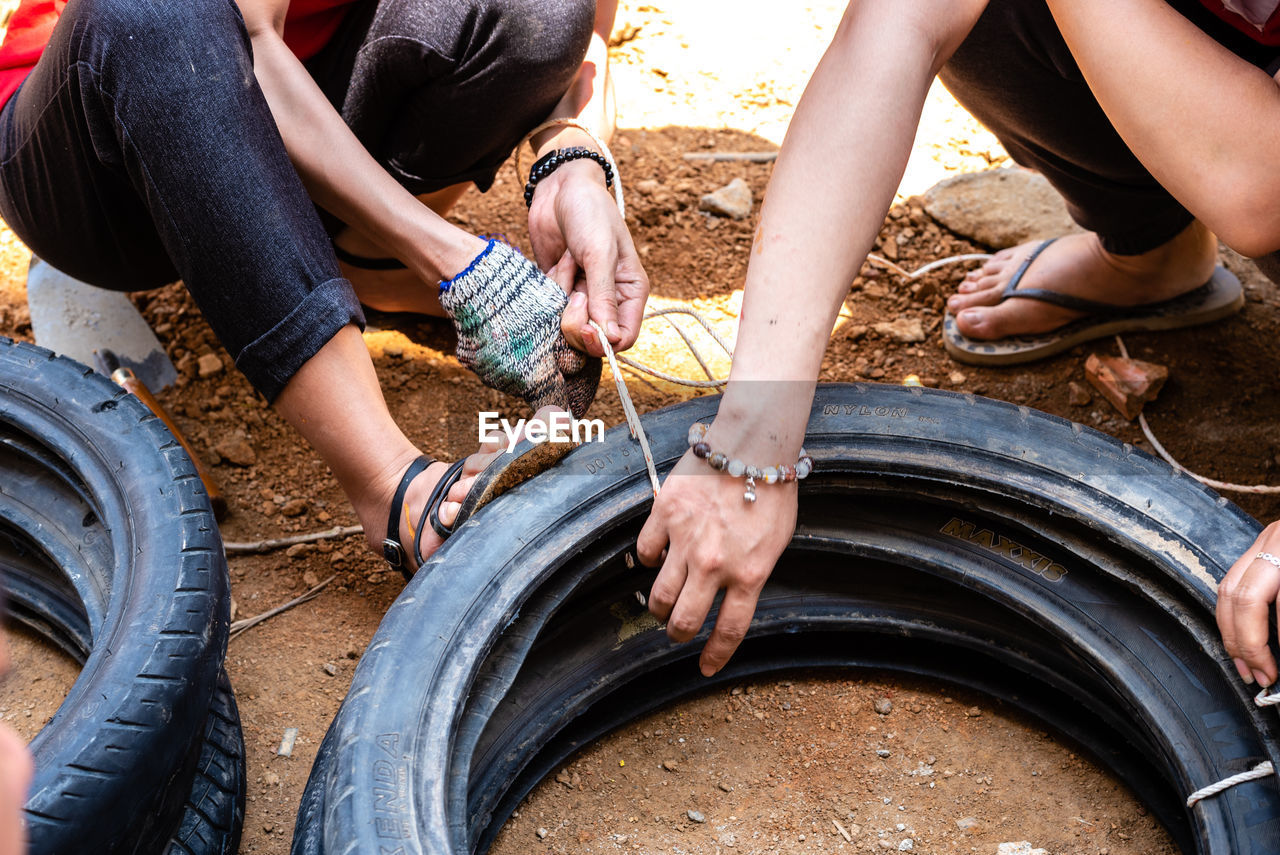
[
  {"x": 508, "y": 470},
  {"x": 1217, "y": 298},
  {"x": 364, "y": 262}
]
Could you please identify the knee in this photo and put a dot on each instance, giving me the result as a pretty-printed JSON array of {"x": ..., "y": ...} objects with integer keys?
[
  {"x": 540, "y": 39},
  {"x": 169, "y": 37}
]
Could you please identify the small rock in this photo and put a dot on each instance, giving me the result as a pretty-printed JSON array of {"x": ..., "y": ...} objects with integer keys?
[
  {"x": 882, "y": 752},
  {"x": 209, "y": 365},
  {"x": 563, "y": 778},
  {"x": 310, "y": 579},
  {"x": 696, "y": 816},
  {"x": 542, "y": 833},
  {"x": 733, "y": 200},
  {"x": 886, "y": 844},
  {"x": 1127, "y": 383},
  {"x": 394, "y": 349},
  {"x": 299, "y": 551},
  {"x": 956, "y": 378},
  {"x": 671, "y": 765},
  {"x": 294, "y": 507},
  {"x": 1020, "y": 848},
  {"x": 902, "y": 330},
  {"x": 236, "y": 449},
  {"x": 270, "y": 779},
  {"x": 966, "y": 823},
  {"x": 648, "y": 186},
  {"x": 883, "y": 706},
  {"x": 725, "y": 787},
  {"x": 973, "y": 712},
  {"x": 331, "y": 669},
  {"x": 1000, "y": 207},
  {"x": 1077, "y": 395},
  {"x": 906, "y": 845}
]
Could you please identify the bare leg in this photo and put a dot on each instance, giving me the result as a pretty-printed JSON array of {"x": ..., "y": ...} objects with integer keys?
[
  {"x": 395, "y": 290},
  {"x": 335, "y": 402},
  {"x": 1078, "y": 265}
]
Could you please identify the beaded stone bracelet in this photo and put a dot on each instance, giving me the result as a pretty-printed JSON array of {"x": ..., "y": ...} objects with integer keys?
[
  {"x": 736, "y": 468},
  {"x": 549, "y": 163}
]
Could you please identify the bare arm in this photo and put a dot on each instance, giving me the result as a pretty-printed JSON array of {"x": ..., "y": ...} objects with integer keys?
[
  {"x": 1202, "y": 120},
  {"x": 341, "y": 176},
  {"x": 576, "y": 229},
  {"x": 835, "y": 177}
]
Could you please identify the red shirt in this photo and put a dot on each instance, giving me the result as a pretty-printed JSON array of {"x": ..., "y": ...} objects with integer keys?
[
  {"x": 308, "y": 26},
  {"x": 1257, "y": 19}
]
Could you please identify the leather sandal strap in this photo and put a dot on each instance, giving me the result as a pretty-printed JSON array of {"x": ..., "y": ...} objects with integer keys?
[
  {"x": 431, "y": 513},
  {"x": 364, "y": 262},
  {"x": 392, "y": 550}
]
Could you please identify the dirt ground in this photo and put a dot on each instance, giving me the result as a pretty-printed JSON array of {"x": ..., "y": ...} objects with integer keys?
[{"x": 781, "y": 766}]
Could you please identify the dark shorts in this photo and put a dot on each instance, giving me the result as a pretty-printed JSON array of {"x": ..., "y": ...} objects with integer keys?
[
  {"x": 140, "y": 150},
  {"x": 1015, "y": 73}
]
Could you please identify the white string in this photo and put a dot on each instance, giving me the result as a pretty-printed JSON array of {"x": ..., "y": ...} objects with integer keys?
[
  {"x": 1264, "y": 698},
  {"x": 629, "y": 410},
  {"x": 1258, "y": 489}
]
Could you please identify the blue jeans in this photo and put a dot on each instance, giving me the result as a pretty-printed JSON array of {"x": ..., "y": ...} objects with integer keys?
[{"x": 141, "y": 150}]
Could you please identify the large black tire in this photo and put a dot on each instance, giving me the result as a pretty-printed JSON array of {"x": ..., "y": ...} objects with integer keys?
[
  {"x": 94, "y": 485},
  {"x": 948, "y": 535}
]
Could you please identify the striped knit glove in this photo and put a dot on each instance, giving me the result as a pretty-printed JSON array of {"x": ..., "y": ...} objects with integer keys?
[{"x": 507, "y": 314}]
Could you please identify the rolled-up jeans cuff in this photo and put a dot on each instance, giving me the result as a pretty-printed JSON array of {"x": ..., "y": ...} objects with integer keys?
[{"x": 271, "y": 360}]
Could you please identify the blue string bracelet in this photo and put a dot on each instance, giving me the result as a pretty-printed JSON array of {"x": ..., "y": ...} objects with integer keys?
[{"x": 721, "y": 462}]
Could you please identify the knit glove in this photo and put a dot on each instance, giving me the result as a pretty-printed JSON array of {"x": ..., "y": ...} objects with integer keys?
[{"x": 507, "y": 315}]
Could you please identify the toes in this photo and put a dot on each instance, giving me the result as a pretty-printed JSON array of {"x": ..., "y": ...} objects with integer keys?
[
  {"x": 449, "y": 511},
  {"x": 986, "y": 294}
]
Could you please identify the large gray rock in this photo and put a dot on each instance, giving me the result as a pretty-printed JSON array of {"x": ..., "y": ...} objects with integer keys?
[{"x": 1000, "y": 207}]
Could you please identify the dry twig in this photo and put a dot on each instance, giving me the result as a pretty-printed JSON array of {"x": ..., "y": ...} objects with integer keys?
[{"x": 248, "y": 623}]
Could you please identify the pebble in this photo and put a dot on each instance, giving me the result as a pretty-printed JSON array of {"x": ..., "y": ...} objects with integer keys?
[
  {"x": 671, "y": 765},
  {"x": 696, "y": 816},
  {"x": 270, "y": 779},
  {"x": 900, "y": 827},
  {"x": 886, "y": 844},
  {"x": 967, "y": 822},
  {"x": 236, "y": 449},
  {"x": 732, "y": 200},
  {"x": 902, "y": 330},
  {"x": 883, "y": 706},
  {"x": 725, "y": 787},
  {"x": 1022, "y": 847},
  {"x": 330, "y": 669},
  {"x": 973, "y": 712},
  {"x": 1077, "y": 395},
  {"x": 906, "y": 845},
  {"x": 209, "y": 365},
  {"x": 542, "y": 833},
  {"x": 294, "y": 507},
  {"x": 300, "y": 550},
  {"x": 882, "y": 752},
  {"x": 956, "y": 378}
]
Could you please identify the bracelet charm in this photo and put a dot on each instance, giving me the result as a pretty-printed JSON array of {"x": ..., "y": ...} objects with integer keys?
[{"x": 778, "y": 473}]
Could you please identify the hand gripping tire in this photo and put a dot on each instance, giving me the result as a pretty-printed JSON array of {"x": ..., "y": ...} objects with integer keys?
[
  {"x": 109, "y": 544},
  {"x": 945, "y": 535}
]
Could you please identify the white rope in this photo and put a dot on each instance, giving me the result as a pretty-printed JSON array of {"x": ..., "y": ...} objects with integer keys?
[
  {"x": 1262, "y": 770},
  {"x": 1224, "y": 486},
  {"x": 629, "y": 410}
]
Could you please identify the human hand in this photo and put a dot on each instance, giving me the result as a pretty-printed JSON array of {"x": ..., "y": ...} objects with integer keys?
[
  {"x": 16, "y": 770},
  {"x": 507, "y": 315},
  {"x": 580, "y": 239},
  {"x": 708, "y": 540},
  {"x": 1245, "y": 597}
]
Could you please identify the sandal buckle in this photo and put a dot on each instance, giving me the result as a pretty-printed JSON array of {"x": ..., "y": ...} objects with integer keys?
[{"x": 393, "y": 554}]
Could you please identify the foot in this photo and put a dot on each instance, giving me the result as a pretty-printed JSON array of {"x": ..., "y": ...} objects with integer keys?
[{"x": 1078, "y": 265}]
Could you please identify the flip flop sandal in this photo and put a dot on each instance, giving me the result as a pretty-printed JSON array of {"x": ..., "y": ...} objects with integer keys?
[
  {"x": 364, "y": 262},
  {"x": 1218, "y": 298},
  {"x": 506, "y": 471}
]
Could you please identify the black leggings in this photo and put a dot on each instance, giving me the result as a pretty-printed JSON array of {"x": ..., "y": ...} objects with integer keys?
[
  {"x": 141, "y": 150},
  {"x": 1015, "y": 73}
]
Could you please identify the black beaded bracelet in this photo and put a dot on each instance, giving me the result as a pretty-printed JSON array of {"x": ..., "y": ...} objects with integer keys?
[{"x": 552, "y": 161}]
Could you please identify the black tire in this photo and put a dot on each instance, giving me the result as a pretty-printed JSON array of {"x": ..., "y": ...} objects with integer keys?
[
  {"x": 948, "y": 535},
  {"x": 94, "y": 485}
]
